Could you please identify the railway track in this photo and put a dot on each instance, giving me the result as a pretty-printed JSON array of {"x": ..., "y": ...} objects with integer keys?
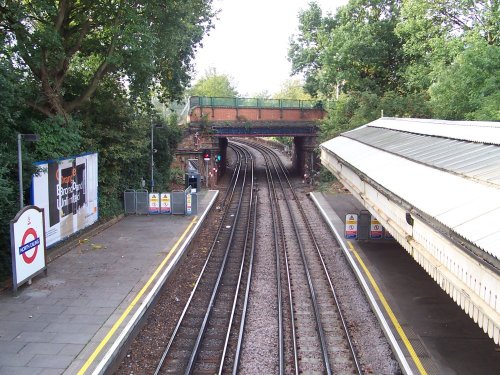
[
  {"x": 264, "y": 301},
  {"x": 202, "y": 341},
  {"x": 319, "y": 336}
]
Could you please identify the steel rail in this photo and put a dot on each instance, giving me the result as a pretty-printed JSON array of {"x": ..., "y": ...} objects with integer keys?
[
  {"x": 240, "y": 275},
  {"x": 234, "y": 181},
  {"x": 319, "y": 327},
  {"x": 247, "y": 293},
  {"x": 276, "y": 215},
  {"x": 327, "y": 274},
  {"x": 194, "y": 354}
]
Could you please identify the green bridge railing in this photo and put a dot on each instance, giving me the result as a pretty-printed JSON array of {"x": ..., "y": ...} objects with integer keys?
[{"x": 206, "y": 101}]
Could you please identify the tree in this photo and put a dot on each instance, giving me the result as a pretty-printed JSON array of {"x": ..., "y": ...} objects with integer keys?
[
  {"x": 305, "y": 48},
  {"x": 10, "y": 113},
  {"x": 81, "y": 74},
  {"x": 470, "y": 87},
  {"x": 69, "y": 46},
  {"x": 214, "y": 84},
  {"x": 355, "y": 60},
  {"x": 435, "y": 32},
  {"x": 262, "y": 95},
  {"x": 356, "y": 50},
  {"x": 292, "y": 89}
]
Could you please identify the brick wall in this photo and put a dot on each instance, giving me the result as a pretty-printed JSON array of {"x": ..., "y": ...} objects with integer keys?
[{"x": 255, "y": 114}]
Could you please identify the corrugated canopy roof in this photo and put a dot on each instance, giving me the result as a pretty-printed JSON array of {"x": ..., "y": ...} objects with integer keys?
[
  {"x": 448, "y": 170},
  {"x": 478, "y": 161},
  {"x": 472, "y": 131}
]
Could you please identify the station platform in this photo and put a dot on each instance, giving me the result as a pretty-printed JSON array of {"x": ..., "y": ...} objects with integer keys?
[
  {"x": 434, "y": 335},
  {"x": 74, "y": 320}
]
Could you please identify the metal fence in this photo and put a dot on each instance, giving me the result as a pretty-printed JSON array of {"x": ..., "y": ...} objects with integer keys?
[
  {"x": 205, "y": 101},
  {"x": 138, "y": 202},
  {"x": 142, "y": 202}
]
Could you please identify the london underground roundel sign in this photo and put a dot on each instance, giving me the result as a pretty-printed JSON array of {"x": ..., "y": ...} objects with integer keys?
[{"x": 27, "y": 237}]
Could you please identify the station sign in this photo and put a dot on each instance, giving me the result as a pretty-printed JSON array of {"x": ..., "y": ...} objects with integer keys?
[
  {"x": 27, "y": 238},
  {"x": 154, "y": 203},
  {"x": 165, "y": 203},
  {"x": 351, "y": 226},
  {"x": 376, "y": 229}
]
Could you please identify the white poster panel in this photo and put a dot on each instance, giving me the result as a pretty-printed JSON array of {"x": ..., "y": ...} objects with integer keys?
[
  {"x": 351, "y": 226},
  {"x": 154, "y": 203},
  {"x": 376, "y": 228},
  {"x": 67, "y": 191},
  {"x": 165, "y": 205},
  {"x": 27, "y": 244}
]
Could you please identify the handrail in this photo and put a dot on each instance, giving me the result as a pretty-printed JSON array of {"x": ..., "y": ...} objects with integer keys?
[{"x": 260, "y": 103}]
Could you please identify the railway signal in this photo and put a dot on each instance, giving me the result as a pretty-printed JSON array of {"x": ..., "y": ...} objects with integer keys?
[{"x": 206, "y": 154}]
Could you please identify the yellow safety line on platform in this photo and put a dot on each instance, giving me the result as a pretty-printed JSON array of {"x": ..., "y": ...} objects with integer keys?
[
  {"x": 388, "y": 309},
  {"x": 134, "y": 302}
]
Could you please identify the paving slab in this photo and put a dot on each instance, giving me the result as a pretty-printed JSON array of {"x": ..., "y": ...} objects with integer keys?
[{"x": 57, "y": 324}]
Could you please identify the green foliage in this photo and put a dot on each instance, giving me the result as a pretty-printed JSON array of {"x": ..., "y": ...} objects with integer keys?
[
  {"x": 262, "y": 95},
  {"x": 364, "y": 52},
  {"x": 213, "y": 84},
  {"x": 59, "y": 138},
  {"x": 176, "y": 176},
  {"x": 12, "y": 118},
  {"x": 416, "y": 58},
  {"x": 305, "y": 48},
  {"x": 81, "y": 75},
  {"x": 168, "y": 136},
  {"x": 325, "y": 176},
  {"x": 435, "y": 32},
  {"x": 7, "y": 212},
  {"x": 292, "y": 89},
  {"x": 469, "y": 88},
  {"x": 356, "y": 50},
  {"x": 359, "y": 108},
  {"x": 123, "y": 141},
  {"x": 151, "y": 42}
]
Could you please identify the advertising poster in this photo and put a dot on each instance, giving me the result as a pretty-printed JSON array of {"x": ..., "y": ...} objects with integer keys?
[{"x": 67, "y": 191}]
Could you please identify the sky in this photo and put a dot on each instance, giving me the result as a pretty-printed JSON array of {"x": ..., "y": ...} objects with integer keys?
[{"x": 250, "y": 42}]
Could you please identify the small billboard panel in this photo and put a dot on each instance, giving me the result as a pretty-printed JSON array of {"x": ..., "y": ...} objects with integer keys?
[
  {"x": 351, "y": 226},
  {"x": 165, "y": 204},
  {"x": 376, "y": 229},
  {"x": 67, "y": 191},
  {"x": 154, "y": 203}
]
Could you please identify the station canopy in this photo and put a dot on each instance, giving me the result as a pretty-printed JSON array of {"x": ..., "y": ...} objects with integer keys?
[{"x": 447, "y": 170}]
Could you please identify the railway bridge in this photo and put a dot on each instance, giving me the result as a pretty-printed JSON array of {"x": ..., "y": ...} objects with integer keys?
[
  {"x": 435, "y": 186},
  {"x": 212, "y": 120}
]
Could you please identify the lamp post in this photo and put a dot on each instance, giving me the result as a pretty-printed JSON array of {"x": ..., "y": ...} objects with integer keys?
[
  {"x": 152, "y": 155},
  {"x": 27, "y": 138}
]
